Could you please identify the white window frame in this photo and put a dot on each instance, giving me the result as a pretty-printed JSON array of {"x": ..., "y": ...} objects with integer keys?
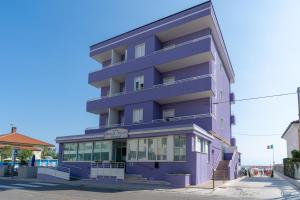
[
  {"x": 139, "y": 50},
  {"x": 137, "y": 115},
  {"x": 138, "y": 83}
]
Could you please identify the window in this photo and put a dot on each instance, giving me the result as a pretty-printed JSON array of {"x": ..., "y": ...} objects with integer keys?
[
  {"x": 101, "y": 150},
  {"x": 204, "y": 146},
  {"x": 152, "y": 146},
  {"x": 132, "y": 148},
  {"x": 162, "y": 148},
  {"x": 70, "y": 152},
  {"x": 169, "y": 80},
  {"x": 85, "y": 151},
  {"x": 142, "y": 149},
  {"x": 168, "y": 113},
  {"x": 198, "y": 144},
  {"x": 138, "y": 83},
  {"x": 140, "y": 50},
  {"x": 137, "y": 115},
  {"x": 179, "y": 148},
  {"x": 222, "y": 123},
  {"x": 221, "y": 95}
]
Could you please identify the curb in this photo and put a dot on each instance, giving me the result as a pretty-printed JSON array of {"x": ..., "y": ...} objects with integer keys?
[{"x": 117, "y": 187}]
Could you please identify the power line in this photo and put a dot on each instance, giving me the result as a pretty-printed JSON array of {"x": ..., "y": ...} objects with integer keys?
[
  {"x": 259, "y": 97},
  {"x": 257, "y": 135}
]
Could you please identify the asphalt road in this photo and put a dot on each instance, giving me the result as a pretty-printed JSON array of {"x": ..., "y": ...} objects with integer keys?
[
  {"x": 246, "y": 188},
  {"x": 20, "y": 190}
]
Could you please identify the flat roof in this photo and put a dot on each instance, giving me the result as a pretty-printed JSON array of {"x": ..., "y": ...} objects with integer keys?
[{"x": 209, "y": 1}]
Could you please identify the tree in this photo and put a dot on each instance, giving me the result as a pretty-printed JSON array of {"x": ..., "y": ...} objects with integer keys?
[
  {"x": 24, "y": 155},
  {"x": 47, "y": 151},
  {"x": 5, "y": 152}
]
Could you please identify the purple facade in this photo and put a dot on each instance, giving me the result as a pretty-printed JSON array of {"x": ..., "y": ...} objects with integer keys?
[{"x": 167, "y": 86}]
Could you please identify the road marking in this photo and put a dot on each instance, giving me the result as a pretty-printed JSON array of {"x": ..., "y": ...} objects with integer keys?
[
  {"x": 9, "y": 187},
  {"x": 27, "y": 185},
  {"x": 45, "y": 184}
]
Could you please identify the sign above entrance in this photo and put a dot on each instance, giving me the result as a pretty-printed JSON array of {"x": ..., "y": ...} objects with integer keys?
[{"x": 116, "y": 133}]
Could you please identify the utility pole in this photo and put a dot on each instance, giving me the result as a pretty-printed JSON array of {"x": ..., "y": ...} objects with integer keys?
[{"x": 298, "y": 94}]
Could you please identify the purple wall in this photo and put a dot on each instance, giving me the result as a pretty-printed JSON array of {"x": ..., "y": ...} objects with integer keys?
[
  {"x": 189, "y": 107},
  {"x": 223, "y": 110},
  {"x": 188, "y": 72}
]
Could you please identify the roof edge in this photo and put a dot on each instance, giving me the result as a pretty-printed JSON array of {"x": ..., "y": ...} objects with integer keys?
[
  {"x": 106, "y": 40},
  {"x": 289, "y": 126}
]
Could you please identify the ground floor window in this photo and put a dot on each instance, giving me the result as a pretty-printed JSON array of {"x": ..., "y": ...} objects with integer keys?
[
  {"x": 201, "y": 145},
  {"x": 179, "y": 148},
  {"x": 70, "y": 152},
  {"x": 162, "y": 148},
  {"x": 150, "y": 149},
  {"x": 101, "y": 150},
  {"x": 142, "y": 149},
  {"x": 132, "y": 148},
  {"x": 85, "y": 151}
]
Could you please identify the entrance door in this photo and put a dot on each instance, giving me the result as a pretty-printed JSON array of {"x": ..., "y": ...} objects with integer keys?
[{"x": 119, "y": 149}]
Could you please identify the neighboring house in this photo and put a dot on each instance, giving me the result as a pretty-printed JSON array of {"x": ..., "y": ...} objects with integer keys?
[
  {"x": 291, "y": 135},
  {"x": 165, "y": 104},
  {"x": 22, "y": 142}
]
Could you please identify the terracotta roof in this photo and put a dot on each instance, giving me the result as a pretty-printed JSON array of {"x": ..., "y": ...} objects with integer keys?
[
  {"x": 18, "y": 139},
  {"x": 22, "y": 147}
]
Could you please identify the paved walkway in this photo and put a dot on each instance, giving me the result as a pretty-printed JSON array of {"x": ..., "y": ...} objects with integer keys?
[
  {"x": 259, "y": 188},
  {"x": 243, "y": 188}
]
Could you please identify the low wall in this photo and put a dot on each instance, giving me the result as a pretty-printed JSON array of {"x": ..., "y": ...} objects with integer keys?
[
  {"x": 179, "y": 180},
  {"x": 27, "y": 172},
  {"x": 53, "y": 172}
]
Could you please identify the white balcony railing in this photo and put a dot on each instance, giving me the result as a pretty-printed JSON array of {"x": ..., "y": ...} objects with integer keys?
[
  {"x": 170, "y": 119},
  {"x": 155, "y": 86},
  {"x": 171, "y": 46}
]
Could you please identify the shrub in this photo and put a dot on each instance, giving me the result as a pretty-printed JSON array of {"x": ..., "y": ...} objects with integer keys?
[{"x": 296, "y": 154}]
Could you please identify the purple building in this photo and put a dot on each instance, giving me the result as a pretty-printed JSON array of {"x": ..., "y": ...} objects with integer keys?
[{"x": 165, "y": 104}]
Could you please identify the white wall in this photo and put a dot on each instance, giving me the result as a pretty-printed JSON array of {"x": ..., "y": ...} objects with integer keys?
[{"x": 292, "y": 139}]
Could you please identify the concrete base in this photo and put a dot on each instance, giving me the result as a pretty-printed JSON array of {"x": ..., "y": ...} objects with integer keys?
[
  {"x": 179, "y": 180},
  {"x": 3, "y": 171},
  {"x": 27, "y": 172}
]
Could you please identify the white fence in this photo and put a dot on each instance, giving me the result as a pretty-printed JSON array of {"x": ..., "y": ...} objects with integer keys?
[
  {"x": 58, "y": 172},
  {"x": 111, "y": 169}
]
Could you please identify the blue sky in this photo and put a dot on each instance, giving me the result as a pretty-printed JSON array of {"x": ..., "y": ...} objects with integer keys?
[{"x": 44, "y": 63}]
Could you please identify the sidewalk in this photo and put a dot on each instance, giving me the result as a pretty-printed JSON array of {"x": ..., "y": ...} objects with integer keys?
[{"x": 295, "y": 182}]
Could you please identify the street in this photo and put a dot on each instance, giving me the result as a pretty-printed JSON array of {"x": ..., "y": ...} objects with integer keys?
[{"x": 245, "y": 188}]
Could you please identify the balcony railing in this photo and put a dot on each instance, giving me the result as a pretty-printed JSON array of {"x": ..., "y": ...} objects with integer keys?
[
  {"x": 172, "y": 46},
  {"x": 155, "y": 121},
  {"x": 155, "y": 86}
]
